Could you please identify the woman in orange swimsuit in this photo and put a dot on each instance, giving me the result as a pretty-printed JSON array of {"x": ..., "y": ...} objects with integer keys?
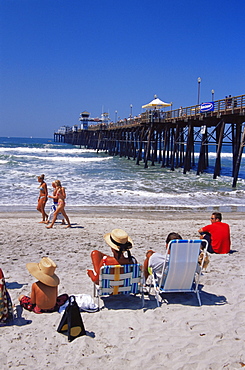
[
  {"x": 43, "y": 197},
  {"x": 60, "y": 195},
  {"x": 120, "y": 242}
]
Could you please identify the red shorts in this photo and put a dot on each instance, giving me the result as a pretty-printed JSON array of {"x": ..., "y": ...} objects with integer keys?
[{"x": 26, "y": 303}]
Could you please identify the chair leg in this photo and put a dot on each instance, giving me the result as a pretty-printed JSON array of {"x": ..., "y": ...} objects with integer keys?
[
  {"x": 96, "y": 294},
  {"x": 157, "y": 296},
  {"x": 150, "y": 284},
  {"x": 198, "y": 297}
]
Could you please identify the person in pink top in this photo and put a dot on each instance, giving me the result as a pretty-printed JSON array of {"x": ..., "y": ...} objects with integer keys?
[{"x": 217, "y": 234}]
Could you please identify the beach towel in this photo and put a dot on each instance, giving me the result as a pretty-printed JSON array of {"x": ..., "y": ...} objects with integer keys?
[
  {"x": 51, "y": 213},
  {"x": 25, "y": 302},
  {"x": 84, "y": 301}
]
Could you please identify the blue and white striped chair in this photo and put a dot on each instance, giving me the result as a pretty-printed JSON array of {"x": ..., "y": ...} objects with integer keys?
[{"x": 120, "y": 279}]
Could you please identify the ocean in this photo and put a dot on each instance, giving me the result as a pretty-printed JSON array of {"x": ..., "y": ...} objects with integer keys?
[{"x": 97, "y": 179}]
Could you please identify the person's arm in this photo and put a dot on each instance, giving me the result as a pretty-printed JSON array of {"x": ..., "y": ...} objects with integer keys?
[
  {"x": 106, "y": 260},
  {"x": 146, "y": 263},
  {"x": 63, "y": 193},
  {"x": 200, "y": 230},
  {"x": 45, "y": 189}
]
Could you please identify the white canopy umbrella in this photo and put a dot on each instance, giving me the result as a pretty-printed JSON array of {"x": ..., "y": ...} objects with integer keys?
[{"x": 156, "y": 103}]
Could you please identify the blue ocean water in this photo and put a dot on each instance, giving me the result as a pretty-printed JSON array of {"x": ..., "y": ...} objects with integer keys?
[{"x": 96, "y": 179}]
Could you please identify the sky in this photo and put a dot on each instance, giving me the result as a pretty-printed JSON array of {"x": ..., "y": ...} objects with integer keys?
[{"x": 60, "y": 58}]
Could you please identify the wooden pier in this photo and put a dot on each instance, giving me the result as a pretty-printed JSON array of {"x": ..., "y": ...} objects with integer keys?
[{"x": 170, "y": 138}]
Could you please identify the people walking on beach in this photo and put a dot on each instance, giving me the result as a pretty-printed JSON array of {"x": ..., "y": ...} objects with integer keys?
[
  {"x": 43, "y": 197},
  {"x": 217, "y": 235},
  {"x": 120, "y": 242},
  {"x": 44, "y": 293},
  {"x": 60, "y": 195},
  {"x": 154, "y": 261},
  {"x": 54, "y": 206}
]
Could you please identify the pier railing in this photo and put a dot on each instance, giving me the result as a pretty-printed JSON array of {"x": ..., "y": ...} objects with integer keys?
[{"x": 229, "y": 105}]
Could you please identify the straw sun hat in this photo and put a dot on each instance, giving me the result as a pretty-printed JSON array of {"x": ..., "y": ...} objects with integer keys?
[
  {"x": 118, "y": 239},
  {"x": 44, "y": 271}
]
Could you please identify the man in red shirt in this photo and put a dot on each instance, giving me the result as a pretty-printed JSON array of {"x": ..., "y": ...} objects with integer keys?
[{"x": 217, "y": 234}]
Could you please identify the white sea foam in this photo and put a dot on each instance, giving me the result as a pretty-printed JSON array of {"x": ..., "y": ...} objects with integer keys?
[
  {"x": 61, "y": 159},
  {"x": 45, "y": 150},
  {"x": 96, "y": 179}
]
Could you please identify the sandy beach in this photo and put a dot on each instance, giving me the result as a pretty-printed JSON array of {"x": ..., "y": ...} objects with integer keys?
[{"x": 177, "y": 335}]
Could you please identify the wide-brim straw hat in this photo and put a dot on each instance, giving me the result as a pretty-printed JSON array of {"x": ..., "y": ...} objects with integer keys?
[
  {"x": 118, "y": 239},
  {"x": 44, "y": 271}
]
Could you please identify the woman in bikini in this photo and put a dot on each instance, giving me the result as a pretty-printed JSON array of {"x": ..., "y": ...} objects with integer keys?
[
  {"x": 120, "y": 242},
  {"x": 43, "y": 197},
  {"x": 54, "y": 206},
  {"x": 60, "y": 195}
]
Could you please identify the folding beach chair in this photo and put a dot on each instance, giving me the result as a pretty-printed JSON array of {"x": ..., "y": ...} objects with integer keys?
[
  {"x": 181, "y": 272},
  {"x": 117, "y": 279}
]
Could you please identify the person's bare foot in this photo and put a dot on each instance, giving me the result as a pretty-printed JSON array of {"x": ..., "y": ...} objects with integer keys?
[
  {"x": 68, "y": 226},
  {"x": 49, "y": 227}
]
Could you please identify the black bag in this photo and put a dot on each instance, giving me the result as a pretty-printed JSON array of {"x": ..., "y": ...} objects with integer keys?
[{"x": 71, "y": 322}]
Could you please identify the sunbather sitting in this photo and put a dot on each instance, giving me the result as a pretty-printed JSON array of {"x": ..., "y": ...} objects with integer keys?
[
  {"x": 120, "y": 242},
  {"x": 154, "y": 261},
  {"x": 44, "y": 293}
]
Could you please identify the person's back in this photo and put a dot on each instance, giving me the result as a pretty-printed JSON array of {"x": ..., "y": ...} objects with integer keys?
[
  {"x": 220, "y": 236},
  {"x": 44, "y": 296},
  {"x": 217, "y": 234}
]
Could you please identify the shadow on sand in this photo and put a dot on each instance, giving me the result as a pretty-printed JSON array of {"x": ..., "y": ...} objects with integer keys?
[
  {"x": 190, "y": 299},
  {"x": 122, "y": 302},
  {"x": 18, "y": 320},
  {"x": 14, "y": 285}
]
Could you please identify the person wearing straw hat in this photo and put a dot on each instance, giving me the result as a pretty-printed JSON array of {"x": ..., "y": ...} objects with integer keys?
[
  {"x": 44, "y": 292},
  {"x": 120, "y": 242}
]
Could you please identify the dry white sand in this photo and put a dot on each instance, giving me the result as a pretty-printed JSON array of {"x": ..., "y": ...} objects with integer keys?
[{"x": 177, "y": 335}]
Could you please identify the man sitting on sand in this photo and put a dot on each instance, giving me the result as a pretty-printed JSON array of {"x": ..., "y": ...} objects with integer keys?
[
  {"x": 217, "y": 234},
  {"x": 120, "y": 242},
  {"x": 154, "y": 261},
  {"x": 44, "y": 293}
]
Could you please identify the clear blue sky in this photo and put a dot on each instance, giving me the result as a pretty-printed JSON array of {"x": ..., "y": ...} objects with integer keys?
[{"x": 61, "y": 57}]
